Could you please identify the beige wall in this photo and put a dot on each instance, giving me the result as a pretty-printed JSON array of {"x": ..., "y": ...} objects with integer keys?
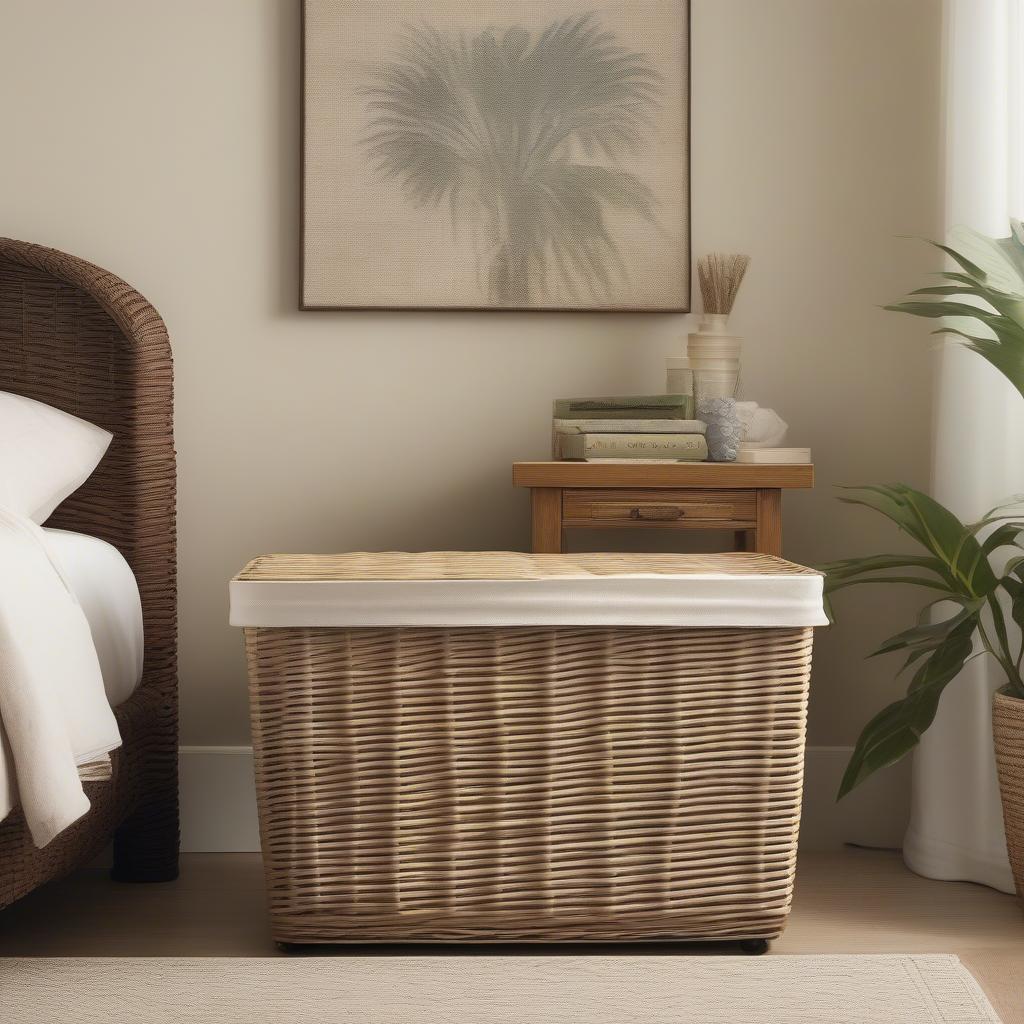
[{"x": 160, "y": 139}]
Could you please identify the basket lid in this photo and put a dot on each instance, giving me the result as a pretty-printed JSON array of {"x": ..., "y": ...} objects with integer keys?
[{"x": 503, "y": 588}]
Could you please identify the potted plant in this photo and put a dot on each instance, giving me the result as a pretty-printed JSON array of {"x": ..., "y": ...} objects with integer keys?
[{"x": 970, "y": 572}]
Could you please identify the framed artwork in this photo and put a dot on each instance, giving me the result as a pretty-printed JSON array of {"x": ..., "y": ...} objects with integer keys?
[{"x": 487, "y": 154}]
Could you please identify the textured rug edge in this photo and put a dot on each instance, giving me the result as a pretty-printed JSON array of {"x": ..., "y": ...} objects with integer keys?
[
  {"x": 950, "y": 988},
  {"x": 946, "y": 988}
]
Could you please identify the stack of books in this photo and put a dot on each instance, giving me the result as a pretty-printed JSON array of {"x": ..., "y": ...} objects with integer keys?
[{"x": 634, "y": 428}]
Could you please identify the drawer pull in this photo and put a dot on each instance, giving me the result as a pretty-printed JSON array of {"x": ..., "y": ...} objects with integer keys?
[{"x": 662, "y": 513}]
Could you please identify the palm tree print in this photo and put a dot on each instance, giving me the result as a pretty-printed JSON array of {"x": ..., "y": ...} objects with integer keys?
[{"x": 521, "y": 136}]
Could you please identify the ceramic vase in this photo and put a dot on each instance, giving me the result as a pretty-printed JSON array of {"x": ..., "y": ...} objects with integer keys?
[
  {"x": 724, "y": 428},
  {"x": 715, "y": 354}
]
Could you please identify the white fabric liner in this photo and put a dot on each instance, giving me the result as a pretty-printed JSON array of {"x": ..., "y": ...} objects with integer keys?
[
  {"x": 630, "y": 599},
  {"x": 108, "y": 593}
]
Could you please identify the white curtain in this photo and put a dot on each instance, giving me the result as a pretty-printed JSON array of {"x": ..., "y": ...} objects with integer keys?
[{"x": 956, "y": 829}]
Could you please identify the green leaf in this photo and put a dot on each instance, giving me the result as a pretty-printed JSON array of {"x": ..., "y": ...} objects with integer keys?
[
  {"x": 849, "y": 572},
  {"x": 1006, "y": 536},
  {"x": 1006, "y": 305},
  {"x": 847, "y": 567},
  {"x": 916, "y": 581},
  {"x": 998, "y": 262},
  {"x": 1015, "y": 589},
  {"x": 1008, "y": 359},
  {"x": 952, "y": 542},
  {"x": 999, "y": 624},
  {"x": 1013, "y": 568},
  {"x": 887, "y": 501},
  {"x": 1013, "y": 502},
  {"x": 1006, "y": 328},
  {"x": 993, "y": 271},
  {"x": 1008, "y": 302},
  {"x": 928, "y": 636},
  {"x": 938, "y": 310},
  {"x": 1007, "y": 356},
  {"x": 828, "y": 608},
  {"x": 938, "y": 289},
  {"x": 898, "y": 728},
  {"x": 973, "y": 269},
  {"x": 935, "y": 528}
]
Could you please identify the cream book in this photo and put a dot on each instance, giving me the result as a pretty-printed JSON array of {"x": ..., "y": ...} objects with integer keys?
[
  {"x": 774, "y": 456},
  {"x": 607, "y": 461},
  {"x": 677, "y": 447}
]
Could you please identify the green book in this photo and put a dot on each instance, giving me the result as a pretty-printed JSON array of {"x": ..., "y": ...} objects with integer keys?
[
  {"x": 625, "y": 407},
  {"x": 639, "y": 426}
]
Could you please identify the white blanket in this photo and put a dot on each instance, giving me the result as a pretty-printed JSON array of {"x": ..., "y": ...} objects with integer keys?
[{"x": 54, "y": 713}]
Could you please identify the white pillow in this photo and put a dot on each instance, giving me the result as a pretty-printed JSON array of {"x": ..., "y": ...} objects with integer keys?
[{"x": 45, "y": 455}]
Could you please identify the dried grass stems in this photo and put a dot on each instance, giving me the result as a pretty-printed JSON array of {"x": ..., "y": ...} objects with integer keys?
[{"x": 720, "y": 277}]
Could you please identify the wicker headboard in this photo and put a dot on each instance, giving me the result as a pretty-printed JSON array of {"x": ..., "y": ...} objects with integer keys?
[{"x": 79, "y": 338}]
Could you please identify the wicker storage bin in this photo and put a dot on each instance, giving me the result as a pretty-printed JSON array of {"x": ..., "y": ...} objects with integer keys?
[{"x": 495, "y": 746}]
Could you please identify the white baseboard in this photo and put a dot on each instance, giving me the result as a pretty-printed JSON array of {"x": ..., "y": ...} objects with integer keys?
[{"x": 218, "y": 802}]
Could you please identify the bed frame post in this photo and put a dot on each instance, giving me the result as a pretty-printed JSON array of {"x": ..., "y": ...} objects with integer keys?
[
  {"x": 146, "y": 842},
  {"x": 146, "y": 845}
]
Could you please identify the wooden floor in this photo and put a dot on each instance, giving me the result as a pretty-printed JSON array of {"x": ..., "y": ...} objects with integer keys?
[{"x": 857, "y": 901}]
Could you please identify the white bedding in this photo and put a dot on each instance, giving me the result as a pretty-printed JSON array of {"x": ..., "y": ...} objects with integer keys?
[
  {"x": 53, "y": 707},
  {"x": 106, "y": 589}
]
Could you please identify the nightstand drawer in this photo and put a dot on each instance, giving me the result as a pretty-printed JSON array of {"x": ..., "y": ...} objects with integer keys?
[{"x": 733, "y": 509}]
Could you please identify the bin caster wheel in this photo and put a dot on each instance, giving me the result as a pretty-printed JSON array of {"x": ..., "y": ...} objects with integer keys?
[{"x": 754, "y": 947}]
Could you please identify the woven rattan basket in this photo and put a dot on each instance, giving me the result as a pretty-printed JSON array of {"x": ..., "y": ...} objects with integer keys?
[
  {"x": 1008, "y": 735},
  {"x": 512, "y": 747}
]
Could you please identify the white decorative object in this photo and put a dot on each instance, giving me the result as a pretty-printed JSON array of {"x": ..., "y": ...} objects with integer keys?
[{"x": 762, "y": 428}]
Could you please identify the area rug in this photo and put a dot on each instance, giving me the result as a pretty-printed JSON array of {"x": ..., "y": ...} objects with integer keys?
[{"x": 494, "y": 990}]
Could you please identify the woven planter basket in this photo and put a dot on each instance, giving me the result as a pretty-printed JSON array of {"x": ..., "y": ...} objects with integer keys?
[
  {"x": 527, "y": 783},
  {"x": 1008, "y": 733}
]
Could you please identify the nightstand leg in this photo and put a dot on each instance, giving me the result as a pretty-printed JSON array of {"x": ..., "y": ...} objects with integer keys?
[
  {"x": 768, "y": 535},
  {"x": 547, "y": 520}
]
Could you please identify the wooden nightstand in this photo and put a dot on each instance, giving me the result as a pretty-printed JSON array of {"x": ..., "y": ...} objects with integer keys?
[{"x": 746, "y": 499}]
